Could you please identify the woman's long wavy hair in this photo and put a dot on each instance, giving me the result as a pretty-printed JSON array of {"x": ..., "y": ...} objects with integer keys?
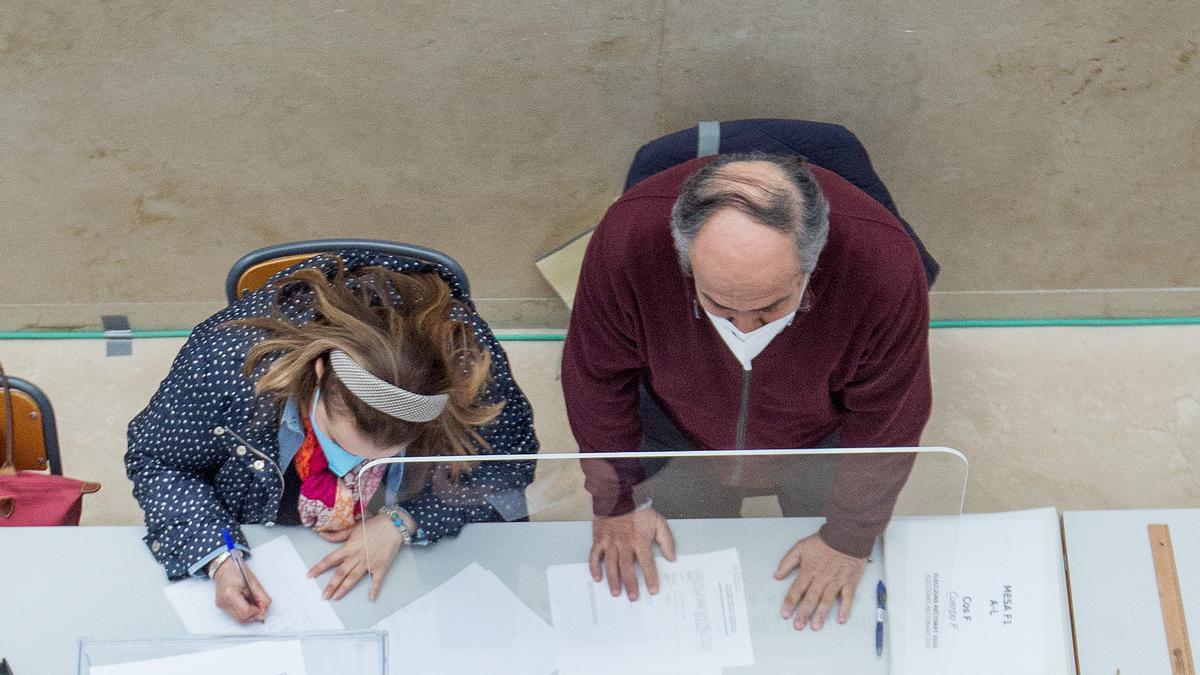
[{"x": 405, "y": 329}]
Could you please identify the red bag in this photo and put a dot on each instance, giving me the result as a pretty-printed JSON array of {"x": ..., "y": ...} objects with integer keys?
[{"x": 31, "y": 497}]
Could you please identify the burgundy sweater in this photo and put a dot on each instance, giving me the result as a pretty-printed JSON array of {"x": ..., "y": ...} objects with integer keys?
[{"x": 856, "y": 361}]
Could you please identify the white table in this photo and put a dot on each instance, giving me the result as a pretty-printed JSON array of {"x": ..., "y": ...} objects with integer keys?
[
  {"x": 1114, "y": 593},
  {"x": 101, "y": 582}
]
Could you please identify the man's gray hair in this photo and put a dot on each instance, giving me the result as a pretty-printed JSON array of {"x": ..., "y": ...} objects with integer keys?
[{"x": 798, "y": 208}]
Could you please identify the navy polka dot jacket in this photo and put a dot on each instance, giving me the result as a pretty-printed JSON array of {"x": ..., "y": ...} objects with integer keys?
[{"x": 191, "y": 482}]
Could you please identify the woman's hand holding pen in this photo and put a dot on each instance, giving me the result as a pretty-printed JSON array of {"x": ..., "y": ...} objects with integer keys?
[
  {"x": 351, "y": 560},
  {"x": 244, "y": 605}
]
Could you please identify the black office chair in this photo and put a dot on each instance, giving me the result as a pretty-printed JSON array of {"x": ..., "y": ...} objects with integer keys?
[
  {"x": 35, "y": 433},
  {"x": 253, "y": 270},
  {"x": 829, "y": 146}
]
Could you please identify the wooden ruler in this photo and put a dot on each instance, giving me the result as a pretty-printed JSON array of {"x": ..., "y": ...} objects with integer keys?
[{"x": 1171, "y": 600}]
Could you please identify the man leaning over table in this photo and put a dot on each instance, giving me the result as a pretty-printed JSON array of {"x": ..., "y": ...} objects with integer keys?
[{"x": 749, "y": 301}]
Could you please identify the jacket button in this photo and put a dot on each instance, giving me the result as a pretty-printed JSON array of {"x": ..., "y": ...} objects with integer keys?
[
  {"x": 241, "y": 450},
  {"x": 258, "y": 465},
  {"x": 156, "y": 546}
]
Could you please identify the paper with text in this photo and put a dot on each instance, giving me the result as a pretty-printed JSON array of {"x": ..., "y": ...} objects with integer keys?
[
  {"x": 269, "y": 657},
  {"x": 472, "y": 623},
  {"x": 296, "y": 603},
  {"x": 697, "y": 620},
  {"x": 836, "y": 649},
  {"x": 979, "y": 593}
]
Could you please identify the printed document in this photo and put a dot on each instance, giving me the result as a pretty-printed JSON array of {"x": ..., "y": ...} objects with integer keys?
[
  {"x": 473, "y": 623},
  {"x": 697, "y": 622},
  {"x": 269, "y": 657},
  {"x": 980, "y": 593},
  {"x": 296, "y": 603}
]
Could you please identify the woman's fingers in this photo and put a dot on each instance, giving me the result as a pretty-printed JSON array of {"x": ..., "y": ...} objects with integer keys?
[
  {"x": 261, "y": 599},
  {"x": 236, "y": 604},
  {"x": 345, "y": 578},
  {"x": 377, "y": 583},
  {"x": 328, "y": 562}
]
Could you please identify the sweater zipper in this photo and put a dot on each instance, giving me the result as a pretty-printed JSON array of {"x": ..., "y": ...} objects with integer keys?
[{"x": 744, "y": 411}]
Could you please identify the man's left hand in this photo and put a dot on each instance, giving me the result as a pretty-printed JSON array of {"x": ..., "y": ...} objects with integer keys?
[
  {"x": 825, "y": 575},
  {"x": 351, "y": 560}
]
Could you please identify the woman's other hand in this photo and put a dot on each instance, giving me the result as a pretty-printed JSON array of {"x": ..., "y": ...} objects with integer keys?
[{"x": 351, "y": 560}]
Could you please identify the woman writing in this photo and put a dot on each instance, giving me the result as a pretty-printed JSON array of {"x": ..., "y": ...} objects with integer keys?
[{"x": 274, "y": 405}]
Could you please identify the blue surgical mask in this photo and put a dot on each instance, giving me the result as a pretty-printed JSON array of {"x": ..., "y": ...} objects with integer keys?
[{"x": 340, "y": 460}]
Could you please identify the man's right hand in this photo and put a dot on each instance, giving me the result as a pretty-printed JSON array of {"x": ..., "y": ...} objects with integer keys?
[
  {"x": 621, "y": 544},
  {"x": 232, "y": 596}
]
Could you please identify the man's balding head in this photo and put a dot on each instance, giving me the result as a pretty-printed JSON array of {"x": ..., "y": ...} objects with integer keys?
[
  {"x": 773, "y": 191},
  {"x": 749, "y": 228}
]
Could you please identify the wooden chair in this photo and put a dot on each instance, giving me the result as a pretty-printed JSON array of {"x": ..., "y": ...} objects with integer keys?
[
  {"x": 252, "y": 270},
  {"x": 35, "y": 434}
]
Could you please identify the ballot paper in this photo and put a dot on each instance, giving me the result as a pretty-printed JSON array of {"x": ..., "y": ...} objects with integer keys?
[
  {"x": 696, "y": 623},
  {"x": 296, "y": 603},
  {"x": 979, "y": 593},
  {"x": 269, "y": 657},
  {"x": 472, "y": 623}
]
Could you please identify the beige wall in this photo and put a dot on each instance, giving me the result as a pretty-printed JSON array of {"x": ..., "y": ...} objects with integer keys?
[{"x": 148, "y": 145}]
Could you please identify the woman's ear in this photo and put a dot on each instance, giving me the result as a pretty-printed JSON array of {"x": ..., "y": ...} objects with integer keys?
[{"x": 319, "y": 367}]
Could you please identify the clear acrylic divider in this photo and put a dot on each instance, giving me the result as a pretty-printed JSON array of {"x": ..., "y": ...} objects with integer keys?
[{"x": 520, "y": 564}]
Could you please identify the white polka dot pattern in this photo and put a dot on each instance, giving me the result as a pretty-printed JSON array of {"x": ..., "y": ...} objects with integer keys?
[{"x": 191, "y": 482}]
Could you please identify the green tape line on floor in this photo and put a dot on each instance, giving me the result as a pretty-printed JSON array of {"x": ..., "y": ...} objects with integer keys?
[{"x": 559, "y": 337}]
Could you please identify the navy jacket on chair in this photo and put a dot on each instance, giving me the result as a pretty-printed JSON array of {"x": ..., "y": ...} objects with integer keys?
[{"x": 829, "y": 146}]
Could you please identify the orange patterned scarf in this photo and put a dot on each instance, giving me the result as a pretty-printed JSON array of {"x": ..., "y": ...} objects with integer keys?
[{"x": 329, "y": 503}]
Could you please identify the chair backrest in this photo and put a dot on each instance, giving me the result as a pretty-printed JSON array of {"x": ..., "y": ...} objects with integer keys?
[
  {"x": 35, "y": 435},
  {"x": 829, "y": 146},
  {"x": 252, "y": 270}
]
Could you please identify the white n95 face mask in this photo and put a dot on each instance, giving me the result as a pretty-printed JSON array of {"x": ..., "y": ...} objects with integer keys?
[{"x": 746, "y": 346}]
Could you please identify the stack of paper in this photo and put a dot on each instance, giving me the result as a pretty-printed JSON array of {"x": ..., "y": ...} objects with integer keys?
[
  {"x": 296, "y": 604},
  {"x": 696, "y": 623},
  {"x": 473, "y": 624},
  {"x": 980, "y": 593}
]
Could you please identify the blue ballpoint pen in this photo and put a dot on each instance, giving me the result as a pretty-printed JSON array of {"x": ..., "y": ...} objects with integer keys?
[
  {"x": 236, "y": 554},
  {"x": 880, "y": 611}
]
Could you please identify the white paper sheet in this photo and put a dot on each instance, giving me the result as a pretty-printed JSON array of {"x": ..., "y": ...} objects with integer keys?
[
  {"x": 473, "y": 623},
  {"x": 698, "y": 619},
  {"x": 296, "y": 603},
  {"x": 272, "y": 657},
  {"x": 836, "y": 649},
  {"x": 980, "y": 594}
]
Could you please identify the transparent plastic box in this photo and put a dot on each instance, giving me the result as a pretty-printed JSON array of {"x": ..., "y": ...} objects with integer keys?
[{"x": 363, "y": 652}]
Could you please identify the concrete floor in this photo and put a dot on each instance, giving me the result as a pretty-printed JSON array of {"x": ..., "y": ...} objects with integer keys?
[{"x": 1078, "y": 418}]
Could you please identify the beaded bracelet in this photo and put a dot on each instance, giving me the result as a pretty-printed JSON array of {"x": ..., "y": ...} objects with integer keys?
[{"x": 398, "y": 521}]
